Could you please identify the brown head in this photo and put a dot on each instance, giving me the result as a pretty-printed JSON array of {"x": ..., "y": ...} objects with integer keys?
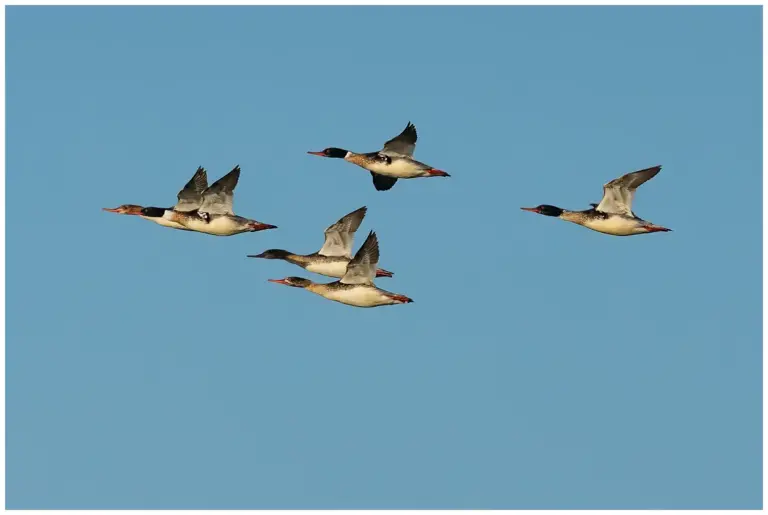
[
  {"x": 125, "y": 209},
  {"x": 296, "y": 282}
]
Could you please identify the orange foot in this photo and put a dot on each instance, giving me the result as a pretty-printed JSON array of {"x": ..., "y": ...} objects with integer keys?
[{"x": 400, "y": 298}]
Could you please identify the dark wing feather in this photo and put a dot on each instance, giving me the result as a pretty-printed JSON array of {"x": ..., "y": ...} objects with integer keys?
[
  {"x": 404, "y": 143},
  {"x": 199, "y": 181},
  {"x": 383, "y": 182},
  {"x": 362, "y": 268},
  {"x": 191, "y": 195}
]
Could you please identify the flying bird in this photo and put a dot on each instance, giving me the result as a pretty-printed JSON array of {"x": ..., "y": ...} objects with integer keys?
[
  {"x": 613, "y": 215},
  {"x": 356, "y": 288},
  {"x": 395, "y": 161},
  {"x": 334, "y": 256},
  {"x": 215, "y": 214}
]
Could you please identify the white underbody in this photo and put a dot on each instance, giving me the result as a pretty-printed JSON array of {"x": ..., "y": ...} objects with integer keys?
[
  {"x": 218, "y": 225},
  {"x": 616, "y": 225},
  {"x": 400, "y": 167},
  {"x": 164, "y": 222},
  {"x": 362, "y": 296},
  {"x": 328, "y": 268}
]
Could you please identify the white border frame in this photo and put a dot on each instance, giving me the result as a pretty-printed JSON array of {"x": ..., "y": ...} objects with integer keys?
[{"x": 353, "y": 2}]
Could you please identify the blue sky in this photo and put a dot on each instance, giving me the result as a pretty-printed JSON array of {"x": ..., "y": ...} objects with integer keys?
[{"x": 541, "y": 365}]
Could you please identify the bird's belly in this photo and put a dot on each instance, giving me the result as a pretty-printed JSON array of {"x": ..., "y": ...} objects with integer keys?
[
  {"x": 400, "y": 168},
  {"x": 361, "y": 297},
  {"x": 615, "y": 225},
  {"x": 217, "y": 225},
  {"x": 328, "y": 268},
  {"x": 165, "y": 222}
]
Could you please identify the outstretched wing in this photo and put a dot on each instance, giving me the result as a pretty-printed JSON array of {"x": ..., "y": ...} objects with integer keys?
[
  {"x": 217, "y": 199},
  {"x": 404, "y": 143},
  {"x": 191, "y": 196},
  {"x": 340, "y": 236},
  {"x": 362, "y": 268},
  {"x": 383, "y": 182},
  {"x": 619, "y": 193}
]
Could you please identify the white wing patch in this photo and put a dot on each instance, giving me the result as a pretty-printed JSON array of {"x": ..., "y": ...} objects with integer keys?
[
  {"x": 618, "y": 194},
  {"x": 218, "y": 198},
  {"x": 340, "y": 236}
]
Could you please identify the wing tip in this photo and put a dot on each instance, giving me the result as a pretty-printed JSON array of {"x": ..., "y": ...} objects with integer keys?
[
  {"x": 655, "y": 168},
  {"x": 235, "y": 173},
  {"x": 371, "y": 240},
  {"x": 358, "y": 213},
  {"x": 646, "y": 174},
  {"x": 354, "y": 219},
  {"x": 201, "y": 173}
]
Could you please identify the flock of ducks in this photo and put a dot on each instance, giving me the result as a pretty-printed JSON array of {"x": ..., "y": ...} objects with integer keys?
[{"x": 208, "y": 209}]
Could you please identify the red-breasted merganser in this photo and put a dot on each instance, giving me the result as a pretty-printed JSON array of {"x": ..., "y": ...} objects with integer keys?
[
  {"x": 395, "y": 161},
  {"x": 613, "y": 215},
  {"x": 356, "y": 288},
  {"x": 215, "y": 215},
  {"x": 189, "y": 198},
  {"x": 332, "y": 259}
]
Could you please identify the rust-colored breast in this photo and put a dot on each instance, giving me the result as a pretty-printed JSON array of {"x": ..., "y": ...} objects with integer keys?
[
  {"x": 577, "y": 217},
  {"x": 359, "y": 160}
]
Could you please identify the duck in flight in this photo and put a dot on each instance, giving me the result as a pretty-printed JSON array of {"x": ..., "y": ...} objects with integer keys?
[
  {"x": 395, "y": 161},
  {"x": 613, "y": 215},
  {"x": 189, "y": 198},
  {"x": 214, "y": 215},
  {"x": 332, "y": 259},
  {"x": 356, "y": 288}
]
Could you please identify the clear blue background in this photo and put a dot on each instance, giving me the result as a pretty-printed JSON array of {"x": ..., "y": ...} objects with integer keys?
[{"x": 541, "y": 365}]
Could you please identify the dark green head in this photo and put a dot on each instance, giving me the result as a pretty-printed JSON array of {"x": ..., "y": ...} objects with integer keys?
[
  {"x": 544, "y": 209},
  {"x": 338, "y": 153}
]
